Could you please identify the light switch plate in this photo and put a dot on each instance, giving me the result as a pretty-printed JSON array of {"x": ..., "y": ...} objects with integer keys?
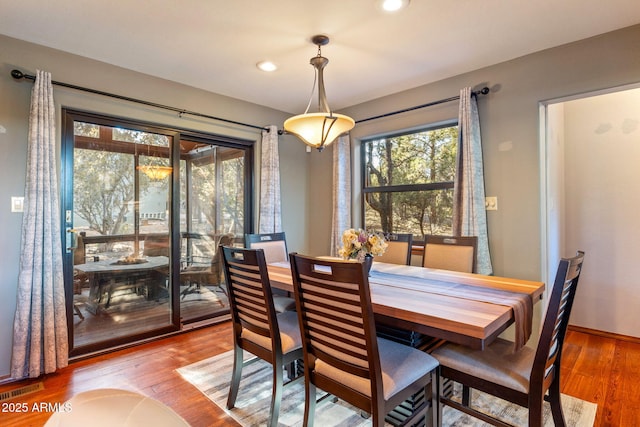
[
  {"x": 491, "y": 203},
  {"x": 17, "y": 204}
]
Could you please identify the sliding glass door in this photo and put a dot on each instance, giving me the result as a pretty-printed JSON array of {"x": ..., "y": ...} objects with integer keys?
[
  {"x": 145, "y": 210},
  {"x": 212, "y": 181}
]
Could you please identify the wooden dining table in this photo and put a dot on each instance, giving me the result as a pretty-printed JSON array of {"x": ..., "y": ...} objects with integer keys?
[{"x": 469, "y": 309}]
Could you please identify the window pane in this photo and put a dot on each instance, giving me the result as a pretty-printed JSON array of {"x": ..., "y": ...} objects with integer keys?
[
  {"x": 419, "y": 158},
  {"x": 416, "y": 172},
  {"x": 415, "y": 212},
  {"x": 212, "y": 180},
  {"x": 86, "y": 129},
  {"x": 103, "y": 192},
  {"x": 121, "y": 213},
  {"x": 128, "y": 135}
]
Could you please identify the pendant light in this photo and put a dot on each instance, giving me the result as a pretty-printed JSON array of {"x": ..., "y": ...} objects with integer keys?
[
  {"x": 156, "y": 173},
  {"x": 322, "y": 128}
]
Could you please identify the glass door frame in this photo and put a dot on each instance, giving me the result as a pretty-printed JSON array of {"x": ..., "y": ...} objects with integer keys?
[{"x": 69, "y": 116}]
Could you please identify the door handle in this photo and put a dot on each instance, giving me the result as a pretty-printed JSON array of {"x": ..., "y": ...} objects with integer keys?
[{"x": 71, "y": 240}]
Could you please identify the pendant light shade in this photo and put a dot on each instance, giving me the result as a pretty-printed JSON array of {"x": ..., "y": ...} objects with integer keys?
[
  {"x": 319, "y": 129},
  {"x": 322, "y": 128},
  {"x": 155, "y": 173}
]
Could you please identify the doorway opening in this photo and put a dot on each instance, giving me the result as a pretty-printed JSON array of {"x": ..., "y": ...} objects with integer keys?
[{"x": 590, "y": 147}]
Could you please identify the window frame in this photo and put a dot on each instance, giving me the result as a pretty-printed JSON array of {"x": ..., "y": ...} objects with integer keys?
[
  {"x": 71, "y": 115},
  {"x": 403, "y": 187}
]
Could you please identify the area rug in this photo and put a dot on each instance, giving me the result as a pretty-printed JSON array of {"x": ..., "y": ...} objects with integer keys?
[{"x": 211, "y": 376}]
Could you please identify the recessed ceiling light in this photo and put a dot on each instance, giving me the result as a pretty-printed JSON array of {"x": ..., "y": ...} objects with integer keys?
[
  {"x": 267, "y": 66},
  {"x": 393, "y": 5}
]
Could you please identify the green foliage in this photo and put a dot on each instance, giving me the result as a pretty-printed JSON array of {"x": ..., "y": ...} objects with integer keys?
[
  {"x": 420, "y": 158},
  {"x": 103, "y": 188},
  {"x": 233, "y": 195},
  {"x": 217, "y": 195},
  {"x": 104, "y": 181}
]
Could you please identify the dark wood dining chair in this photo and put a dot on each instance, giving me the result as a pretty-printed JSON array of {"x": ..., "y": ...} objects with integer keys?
[
  {"x": 398, "y": 249},
  {"x": 273, "y": 244},
  {"x": 523, "y": 377},
  {"x": 343, "y": 356},
  {"x": 456, "y": 253},
  {"x": 275, "y": 250},
  {"x": 257, "y": 328}
]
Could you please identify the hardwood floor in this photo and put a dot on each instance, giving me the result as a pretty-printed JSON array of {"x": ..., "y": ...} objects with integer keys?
[
  {"x": 606, "y": 371},
  {"x": 595, "y": 368},
  {"x": 148, "y": 368}
]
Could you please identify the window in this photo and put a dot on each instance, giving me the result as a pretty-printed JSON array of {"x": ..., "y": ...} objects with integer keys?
[{"x": 408, "y": 181}]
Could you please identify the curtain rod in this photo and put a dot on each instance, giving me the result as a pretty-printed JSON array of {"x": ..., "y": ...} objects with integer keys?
[
  {"x": 483, "y": 91},
  {"x": 17, "y": 74}
]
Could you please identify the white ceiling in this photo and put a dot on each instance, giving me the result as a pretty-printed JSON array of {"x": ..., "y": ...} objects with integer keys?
[{"x": 215, "y": 44}]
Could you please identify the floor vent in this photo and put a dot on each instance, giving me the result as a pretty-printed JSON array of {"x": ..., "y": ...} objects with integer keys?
[{"x": 21, "y": 391}]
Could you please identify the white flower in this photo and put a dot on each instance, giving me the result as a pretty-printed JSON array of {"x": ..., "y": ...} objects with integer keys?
[{"x": 358, "y": 243}]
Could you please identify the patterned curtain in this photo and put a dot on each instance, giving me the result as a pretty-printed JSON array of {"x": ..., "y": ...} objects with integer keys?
[
  {"x": 341, "y": 219},
  {"x": 270, "y": 219},
  {"x": 40, "y": 326},
  {"x": 469, "y": 216}
]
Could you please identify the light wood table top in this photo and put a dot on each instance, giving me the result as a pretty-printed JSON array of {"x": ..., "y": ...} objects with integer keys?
[{"x": 437, "y": 303}]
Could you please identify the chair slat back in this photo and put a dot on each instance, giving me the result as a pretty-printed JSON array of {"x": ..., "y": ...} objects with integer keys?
[
  {"x": 273, "y": 244},
  {"x": 398, "y": 249},
  {"x": 547, "y": 359},
  {"x": 249, "y": 291},
  {"x": 334, "y": 307},
  {"x": 456, "y": 253}
]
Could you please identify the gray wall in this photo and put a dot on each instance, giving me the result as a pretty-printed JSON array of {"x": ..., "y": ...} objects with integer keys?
[
  {"x": 509, "y": 118},
  {"x": 14, "y": 111},
  {"x": 509, "y": 123},
  {"x": 510, "y": 127}
]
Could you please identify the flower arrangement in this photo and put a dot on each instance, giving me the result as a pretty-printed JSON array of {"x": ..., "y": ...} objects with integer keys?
[{"x": 359, "y": 243}]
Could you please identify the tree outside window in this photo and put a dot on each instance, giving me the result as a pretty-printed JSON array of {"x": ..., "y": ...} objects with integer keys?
[
  {"x": 408, "y": 182},
  {"x": 104, "y": 177}
]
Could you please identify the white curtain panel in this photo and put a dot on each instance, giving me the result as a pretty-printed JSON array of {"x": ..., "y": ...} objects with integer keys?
[
  {"x": 40, "y": 343},
  {"x": 270, "y": 219},
  {"x": 341, "y": 212},
  {"x": 470, "y": 217}
]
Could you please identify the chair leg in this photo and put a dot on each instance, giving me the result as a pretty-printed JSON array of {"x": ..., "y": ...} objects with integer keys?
[
  {"x": 535, "y": 412},
  {"x": 378, "y": 420},
  {"x": 439, "y": 392},
  {"x": 466, "y": 395},
  {"x": 236, "y": 374},
  {"x": 309, "y": 403},
  {"x": 434, "y": 407},
  {"x": 77, "y": 311},
  {"x": 276, "y": 395},
  {"x": 290, "y": 369},
  {"x": 556, "y": 405}
]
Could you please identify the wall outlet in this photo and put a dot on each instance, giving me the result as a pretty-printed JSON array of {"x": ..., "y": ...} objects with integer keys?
[{"x": 491, "y": 203}]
